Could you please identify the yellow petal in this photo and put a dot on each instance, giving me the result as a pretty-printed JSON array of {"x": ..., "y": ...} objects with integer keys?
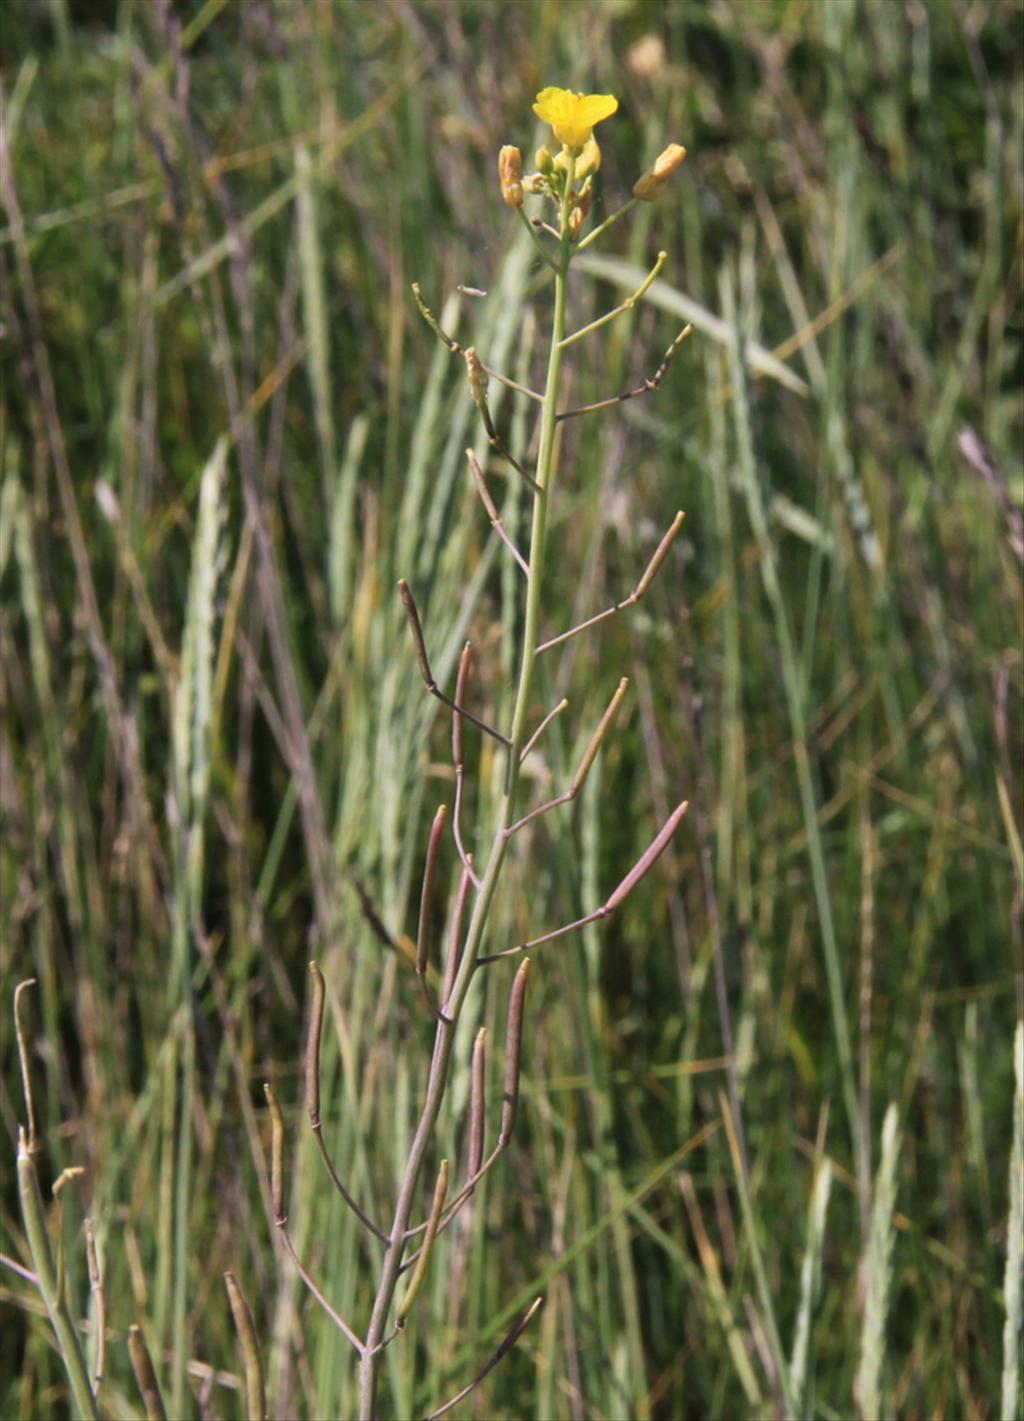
[{"x": 573, "y": 116}]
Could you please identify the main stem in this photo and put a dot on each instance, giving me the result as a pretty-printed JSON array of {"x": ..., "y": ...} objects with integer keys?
[{"x": 445, "y": 1035}]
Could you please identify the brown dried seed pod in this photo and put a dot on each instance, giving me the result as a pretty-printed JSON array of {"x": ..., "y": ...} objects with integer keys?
[{"x": 513, "y": 1053}]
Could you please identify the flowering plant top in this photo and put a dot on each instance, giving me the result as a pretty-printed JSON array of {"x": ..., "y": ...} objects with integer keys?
[{"x": 573, "y": 116}]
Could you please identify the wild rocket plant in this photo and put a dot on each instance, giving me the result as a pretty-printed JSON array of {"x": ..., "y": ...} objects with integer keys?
[{"x": 561, "y": 192}]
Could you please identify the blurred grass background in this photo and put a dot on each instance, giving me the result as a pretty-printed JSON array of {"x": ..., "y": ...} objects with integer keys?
[{"x": 226, "y": 433}]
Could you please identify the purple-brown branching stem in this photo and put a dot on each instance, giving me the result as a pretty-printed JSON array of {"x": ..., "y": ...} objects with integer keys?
[
  {"x": 99, "y": 1297},
  {"x": 312, "y": 1074},
  {"x": 579, "y": 779},
  {"x": 492, "y": 512},
  {"x": 457, "y": 349},
  {"x": 281, "y": 1218},
  {"x": 458, "y": 759},
  {"x": 252, "y": 1363},
  {"x": 405, "y": 592},
  {"x": 619, "y": 310},
  {"x": 643, "y": 864},
  {"x": 420, "y": 1271},
  {"x": 506, "y": 1345},
  {"x": 603, "y": 226},
  {"x": 478, "y": 389},
  {"x": 649, "y": 574},
  {"x": 145, "y": 1375},
  {"x": 646, "y": 388},
  {"x": 562, "y": 705}
]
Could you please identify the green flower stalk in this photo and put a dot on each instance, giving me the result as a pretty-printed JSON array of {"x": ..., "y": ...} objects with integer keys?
[{"x": 565, "y": 181}]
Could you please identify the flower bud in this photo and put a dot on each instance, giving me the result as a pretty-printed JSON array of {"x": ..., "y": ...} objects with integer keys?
[
  {"x": 649, "y": 186},
  {"x": 510, "y": 174},
  {"x": 543, "y": 158}
]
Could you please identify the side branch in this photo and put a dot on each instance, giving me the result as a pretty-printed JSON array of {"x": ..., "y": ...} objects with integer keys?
[
  {"x": 648, "y": 576},
  {"x": 281, "y": 1218},
  {"x": 626, "y": 305},
  {"x": 492, "y": 512},
  {"x": 405, "y": 592},
  {"x": 457, "y": 349},
  {"x": 506, "y": 1346},
  {"x": 458, "y": 760},
  {"x": 583, "y": 770},
  {"x": 646, "y": 388},
  {"x": 316, "y": 1018},
  {"x": 642, "y": 866}
]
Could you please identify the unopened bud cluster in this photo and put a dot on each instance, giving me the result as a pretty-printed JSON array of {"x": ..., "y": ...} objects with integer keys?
[{"x": 572, "y": 117}]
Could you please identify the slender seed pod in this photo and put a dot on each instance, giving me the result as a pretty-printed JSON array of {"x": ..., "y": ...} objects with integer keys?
[
  {"x": 255, "y": 1391},
  {"x": 416, "y": 627},
  {"x": 423, "y": 1261},
  {"x": 603, "y": 727},
  {"x": 276, "y": 1156},
  {"x": 513, "y": 1053},
  {"x": 461, "y": 679},
  {"x": 478, "y": 1081},
  {"x": 427, "y": 890},
  {"x": 145, "y": 1376},
  {"x": 648, "y": 858},
  {"x": 316, "y": 1021},
  {"x": 658, "y": 557}
]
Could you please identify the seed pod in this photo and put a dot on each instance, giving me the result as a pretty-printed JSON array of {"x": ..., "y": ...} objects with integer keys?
[
  {"x": 276, "y": 1156},
  {"x": 513, "y": 1053},
  {"x": 316, "y": 1020},
  {"x": 420, "y": 1271},
  {"x": 427, "y": 891},
  {"x": 478, "y": 1082}
]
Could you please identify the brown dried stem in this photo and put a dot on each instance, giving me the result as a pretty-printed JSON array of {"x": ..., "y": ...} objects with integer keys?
[
  {"x": 646, "y": 388},
  {"x": 647, "y": 577},
  {"x": 416, "y": 628},
  {"x": 457, "y": 349},
  {"x": 506, "y": 1346},
  {"x": 316, "y": 1017},
  {"x": 281, "y": 1218},
  {"x": 492, "y": 511}
]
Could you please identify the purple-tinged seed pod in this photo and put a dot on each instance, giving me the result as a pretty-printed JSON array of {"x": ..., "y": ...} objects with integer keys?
[{"x": 513, "y": 1053}]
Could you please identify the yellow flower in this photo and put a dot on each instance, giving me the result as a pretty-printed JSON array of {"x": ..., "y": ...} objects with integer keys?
[{"x": 573, "y": 116}]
